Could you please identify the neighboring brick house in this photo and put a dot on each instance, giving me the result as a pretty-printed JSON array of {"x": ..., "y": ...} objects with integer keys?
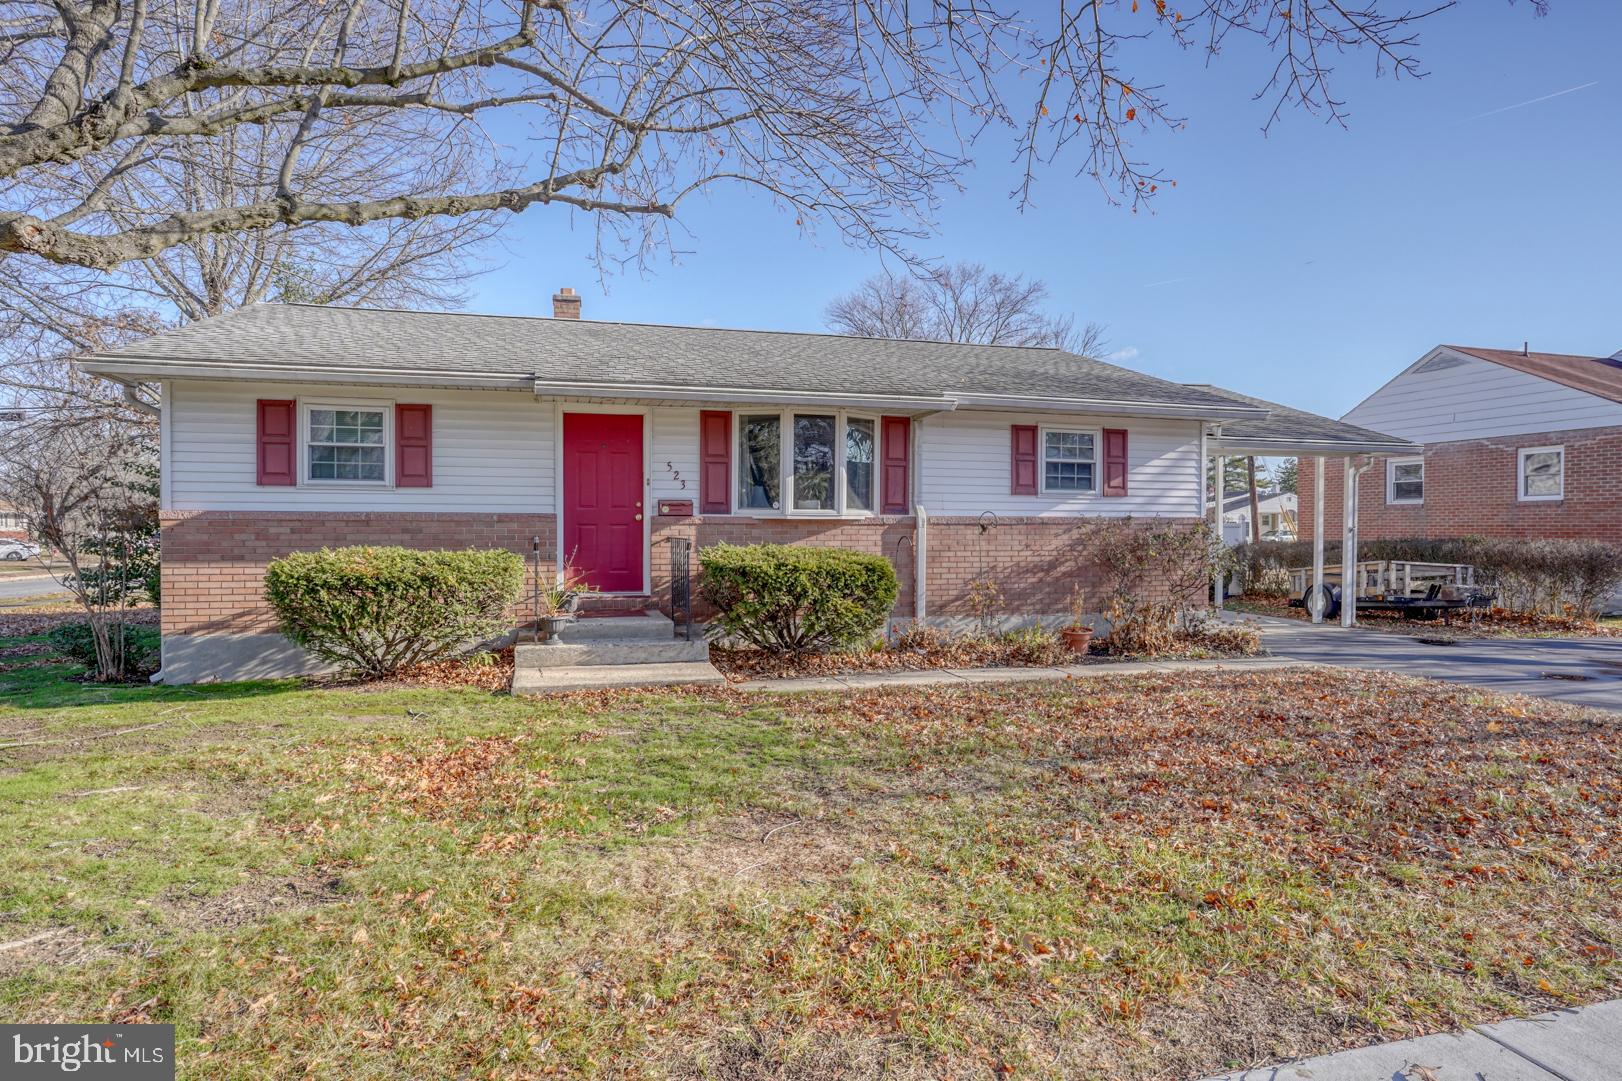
[
  {"x": 289, "y": 427},
  {"x": 1516, "y": 445},
  {"x": 13, "y": 526}
]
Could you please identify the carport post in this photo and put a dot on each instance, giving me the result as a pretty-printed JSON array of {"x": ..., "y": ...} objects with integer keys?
[
  {"x": 1316, "y": 609},
  {"x": 1217, "y": 584}
]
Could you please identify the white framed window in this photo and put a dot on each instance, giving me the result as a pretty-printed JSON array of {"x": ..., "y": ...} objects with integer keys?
[
  {"x": 346, "y": 443},
  {"x": 1405, "y": 480},
  {"x": 1540, "y": 473},
  {"x": 805, "y": 463},
  {"x": 861, "y": 460},
  {"x": 1069, "y": 461}
]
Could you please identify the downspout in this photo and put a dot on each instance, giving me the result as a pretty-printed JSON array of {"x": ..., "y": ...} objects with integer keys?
[
  {"x": 920, "y": 545},
  {"x": 1349, "y": 584},
  {"x": 134, "y": 399},
  {"x": 920, "y": 563}
]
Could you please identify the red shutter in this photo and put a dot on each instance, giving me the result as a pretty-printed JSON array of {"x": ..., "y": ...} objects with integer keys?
[
  {"x": 1023, "y": 479},
  {"x": 714, "y": 461},
  {"x": 896, "y": 440},
  {"x": 413, "y": 446},
  {"x": 1114, "y": 461},
  {"x": 277, "y": 459}
]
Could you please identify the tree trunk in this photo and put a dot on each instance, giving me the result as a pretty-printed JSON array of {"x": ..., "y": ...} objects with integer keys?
[{"x": 1255, "y": 502}]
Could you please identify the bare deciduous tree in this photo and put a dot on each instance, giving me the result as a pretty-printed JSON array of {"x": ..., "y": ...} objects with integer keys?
[
  {"x": 849, "y": 111},
  {"x": 83, "y": 485},
  {"x": 960, "y": 302}
]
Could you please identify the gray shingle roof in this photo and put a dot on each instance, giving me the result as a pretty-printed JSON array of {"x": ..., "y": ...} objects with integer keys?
[
  {"x": 634, "y": 355},
  {"x": 1287, "y": 424}
]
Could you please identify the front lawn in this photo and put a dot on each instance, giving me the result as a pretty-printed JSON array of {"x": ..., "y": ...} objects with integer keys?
[{"x": 1151, "y": 877}]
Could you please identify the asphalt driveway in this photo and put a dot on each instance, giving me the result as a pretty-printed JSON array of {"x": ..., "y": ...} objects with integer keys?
[
  {"x": 33, "y": 585},
  {"x": 1585, "y": 672}
]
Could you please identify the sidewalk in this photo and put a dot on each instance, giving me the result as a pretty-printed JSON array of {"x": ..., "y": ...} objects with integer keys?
[
  {"x": 1583, "y": 1044},
  {"x": 963, "y": 676}
]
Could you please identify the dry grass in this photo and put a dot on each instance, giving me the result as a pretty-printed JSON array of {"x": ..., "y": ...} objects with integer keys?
[{"x": 1158, "y": 877}]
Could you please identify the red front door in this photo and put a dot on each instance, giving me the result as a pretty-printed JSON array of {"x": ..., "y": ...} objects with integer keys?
[{"x": 602, "y": 499}]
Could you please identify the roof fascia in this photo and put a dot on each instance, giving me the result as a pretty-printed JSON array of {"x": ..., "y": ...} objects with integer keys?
[
  {"x": 150, "y": 370},
  {"x": 1112, "y": 406},
  {"x": 649, "y": 391},
  {"x": 1273, "y": 448}
]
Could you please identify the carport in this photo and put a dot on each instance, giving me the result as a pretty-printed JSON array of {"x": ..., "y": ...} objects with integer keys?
[{"x": 1294, "y": 433}]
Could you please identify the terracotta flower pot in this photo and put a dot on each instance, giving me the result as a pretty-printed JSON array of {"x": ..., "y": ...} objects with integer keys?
[{"x": 1077, "y": 639}]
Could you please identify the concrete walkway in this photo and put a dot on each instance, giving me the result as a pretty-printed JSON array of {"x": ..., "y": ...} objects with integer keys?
[
  {"x": 965, "y": 676},
  {"x": 1568, "y": 1045},
  {"x": 1582, "y": 671}
]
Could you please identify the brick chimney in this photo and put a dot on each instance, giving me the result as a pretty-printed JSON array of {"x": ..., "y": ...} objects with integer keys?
[{"x": 565, "y": 304}]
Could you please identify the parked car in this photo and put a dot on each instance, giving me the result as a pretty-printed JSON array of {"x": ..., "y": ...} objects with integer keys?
[{"x": 18, "y": 549}]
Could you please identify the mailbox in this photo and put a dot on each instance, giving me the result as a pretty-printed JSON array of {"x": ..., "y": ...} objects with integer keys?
[{"x": 676, "y": 508}]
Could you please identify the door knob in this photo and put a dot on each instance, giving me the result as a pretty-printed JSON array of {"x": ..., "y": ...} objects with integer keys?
[{"x": 639, "y": 517}]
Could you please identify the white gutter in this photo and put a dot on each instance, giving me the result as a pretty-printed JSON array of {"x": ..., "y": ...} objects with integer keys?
[
  {"x": 570, "y": 389},
  {"x": 1269, "y": 448},
  {"x": 1213, "y": 411},
  {"x": 150, "y": 371}
]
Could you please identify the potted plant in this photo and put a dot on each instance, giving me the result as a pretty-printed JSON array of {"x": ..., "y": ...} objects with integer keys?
[
  {"x": 556, "y": 603},
  {"x": 1078, "y": 636}
]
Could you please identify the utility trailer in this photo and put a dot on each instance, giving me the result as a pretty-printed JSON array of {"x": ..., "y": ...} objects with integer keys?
[{"x": 1411, "y": 589}]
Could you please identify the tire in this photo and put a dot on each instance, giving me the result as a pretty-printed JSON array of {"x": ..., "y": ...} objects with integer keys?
[
  {"x": 14, "y": 556},
  {"x": 1331, "y": 600}
]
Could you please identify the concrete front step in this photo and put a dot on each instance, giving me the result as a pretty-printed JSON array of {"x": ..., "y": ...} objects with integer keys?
[
  {"x": 645, "y": 626},
  {"x": 568, "y": 654},
  {"x": 596, "y": 676}
]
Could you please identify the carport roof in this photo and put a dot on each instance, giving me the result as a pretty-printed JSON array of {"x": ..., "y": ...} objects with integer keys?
[{"x": 1289, "y": 431}]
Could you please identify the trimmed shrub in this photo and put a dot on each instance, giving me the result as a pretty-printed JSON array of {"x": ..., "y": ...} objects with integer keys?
[
  {"x": 375, "y": 610},
  {"x": 791, "y": 599},
  {"x": 78, "y": 642}
]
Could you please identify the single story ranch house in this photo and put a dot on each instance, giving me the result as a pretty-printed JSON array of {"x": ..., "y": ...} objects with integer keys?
[{"x": 292, "y": 427}]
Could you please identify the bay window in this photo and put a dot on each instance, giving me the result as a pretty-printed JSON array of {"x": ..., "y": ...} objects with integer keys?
[
  {"x": 760, "y": 473},
  {"x": 860, "y": 453},
  {"x": 825, "y": 463}
]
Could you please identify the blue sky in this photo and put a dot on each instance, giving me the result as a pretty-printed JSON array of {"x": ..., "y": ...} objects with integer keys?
[{"x": 1307, "y": 266}]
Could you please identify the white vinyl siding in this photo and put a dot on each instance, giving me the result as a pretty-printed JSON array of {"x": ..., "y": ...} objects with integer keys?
[
  {"x": 1475, "y": 399},
  {"x": 966, "y": 459},
  {"x": 492, "y": 451},
  {"x": 673, "y": 465}
]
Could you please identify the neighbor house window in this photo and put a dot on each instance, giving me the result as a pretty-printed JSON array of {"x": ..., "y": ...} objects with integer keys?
[
  {"x": 346, "y": 444},
  {"x": 1069, "y": 460},
  {"x": 760, "y": 462},
  {"x": 1405, "y": 480},
  {"x": 860, "y": 448},
  {"x": 1541, "y": 472}
]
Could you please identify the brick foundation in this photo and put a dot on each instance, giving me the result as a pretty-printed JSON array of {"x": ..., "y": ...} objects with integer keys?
[
  {"x": 1470, "y": 489},
  {"x": 889, "y": 536},
  {"x": 214, "y": 561}
]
